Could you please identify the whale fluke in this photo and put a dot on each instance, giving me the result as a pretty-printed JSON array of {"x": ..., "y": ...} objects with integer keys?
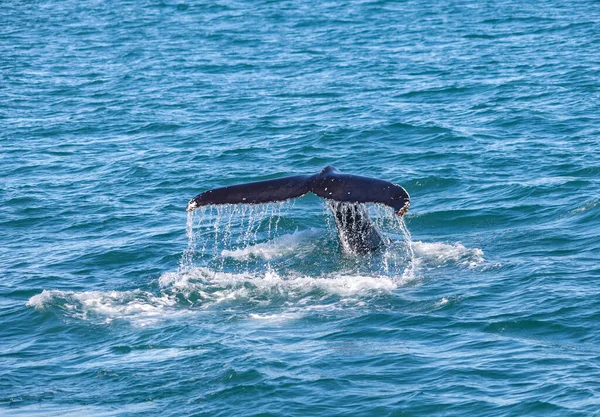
[
  {"x": 344, "y": 192},
  {"x": 269, "y": 191},
  {"x": 330, "y": 184}
]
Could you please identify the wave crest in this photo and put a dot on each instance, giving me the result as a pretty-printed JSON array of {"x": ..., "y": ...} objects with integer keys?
[{"x": 136, "y": 306}]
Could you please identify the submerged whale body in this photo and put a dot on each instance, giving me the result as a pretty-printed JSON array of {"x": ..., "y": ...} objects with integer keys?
[{"x": 344, "y": 192}]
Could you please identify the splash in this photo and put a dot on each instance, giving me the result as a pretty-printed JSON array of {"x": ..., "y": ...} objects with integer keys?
[
  {"x": 254, "y": 237},
  {"x": 242, "y": 258},
  {"x": 204, "y": 285},
  {"x": 185, "y": 293},
  {"x": 226, "y": 228}
]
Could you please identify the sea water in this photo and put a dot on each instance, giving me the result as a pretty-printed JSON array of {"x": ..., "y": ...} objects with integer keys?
[{"x": 114, "y": 114}]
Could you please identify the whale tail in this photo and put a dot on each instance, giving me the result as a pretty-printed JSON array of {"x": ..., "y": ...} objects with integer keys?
[{"x": 329, "y": 184}]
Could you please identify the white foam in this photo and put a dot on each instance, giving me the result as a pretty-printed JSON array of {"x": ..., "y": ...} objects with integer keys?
[
  {"x": 275, "y": 317},
  {"x": 139, "y": 307},
  {"x": 187, "y": 291},
  {"x": 441, "y": 302},
  {"x": 222, "y": 286},
  {"x": 278, "y": 247},
  {"x": 437, "y": 254},
  {"x": 190, "y": 290}
]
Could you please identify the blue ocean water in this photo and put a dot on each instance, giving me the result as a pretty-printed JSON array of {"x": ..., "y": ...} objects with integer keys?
[{"x": 114, "y": 114}]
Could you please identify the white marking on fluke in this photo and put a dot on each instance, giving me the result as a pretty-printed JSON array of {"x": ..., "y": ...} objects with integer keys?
[{"x": 192, "y": 205}]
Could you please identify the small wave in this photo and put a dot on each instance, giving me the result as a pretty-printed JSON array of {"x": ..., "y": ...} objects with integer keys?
[
  {"x": 436, "y": 254},
  {"x": 587, "y": 206},
  {"x": 139, "y": 307},
  {"x": 281, "y": 317}
]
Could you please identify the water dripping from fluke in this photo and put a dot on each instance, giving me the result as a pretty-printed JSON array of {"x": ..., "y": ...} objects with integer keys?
[
  {"x": 256, "y": 238},
  {"x": 187, "y": 258},
  {"x": 409, "y": 271}
]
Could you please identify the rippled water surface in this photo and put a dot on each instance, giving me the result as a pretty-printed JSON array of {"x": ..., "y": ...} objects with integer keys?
[{"x": 114, "y": 302}]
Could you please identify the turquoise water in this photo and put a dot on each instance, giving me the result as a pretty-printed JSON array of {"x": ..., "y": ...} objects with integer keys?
[{"x": 114, "y": 114}]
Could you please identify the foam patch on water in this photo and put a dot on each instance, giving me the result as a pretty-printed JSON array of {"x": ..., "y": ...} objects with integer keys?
[
  {"x": 139, "y": 307},
  {"x": 280, "y": 317},
  {"x": 281, "y": 246},
  {"x": 193, "y": 289},
  {"x": 196, "y": 289},
  {"x": 435, "y": 254},
  {"x": 218, "y": 286}
]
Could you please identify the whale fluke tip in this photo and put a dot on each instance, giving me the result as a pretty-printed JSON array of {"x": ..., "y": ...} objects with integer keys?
[
  {"x": 403, "y": 210},
  {"x": 192, "y": 205}
]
